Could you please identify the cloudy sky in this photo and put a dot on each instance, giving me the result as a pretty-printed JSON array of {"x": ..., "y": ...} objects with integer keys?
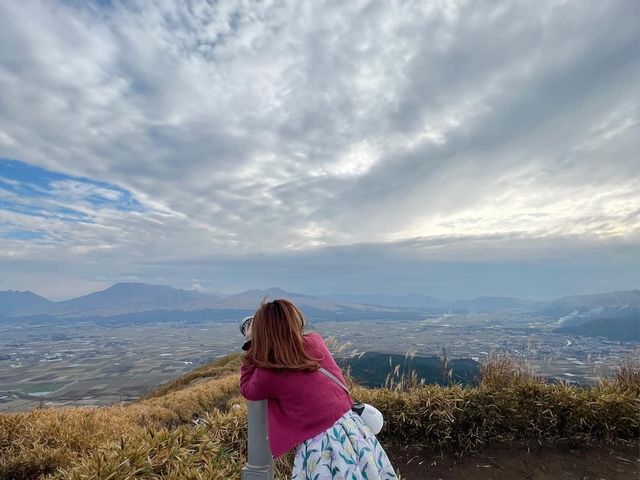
[{"x": 451, "y": 148}]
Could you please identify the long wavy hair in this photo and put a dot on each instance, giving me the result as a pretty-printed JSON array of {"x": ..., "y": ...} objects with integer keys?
[{"x": 277, "y": 338}]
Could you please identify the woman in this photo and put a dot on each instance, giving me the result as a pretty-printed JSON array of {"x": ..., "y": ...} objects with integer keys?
[{"x": 306, "y": 408}]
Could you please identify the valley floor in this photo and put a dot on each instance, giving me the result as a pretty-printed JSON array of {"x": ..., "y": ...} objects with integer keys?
[{"x": 562, "y": 461}]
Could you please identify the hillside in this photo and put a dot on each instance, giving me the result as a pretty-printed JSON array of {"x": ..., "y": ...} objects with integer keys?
[
  {"x": 623, "y": 329},
  {"x": 195, "y": 427}
]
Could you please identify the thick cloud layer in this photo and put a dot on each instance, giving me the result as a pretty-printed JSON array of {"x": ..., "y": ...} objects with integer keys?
[{"x": 279, "y": 135}]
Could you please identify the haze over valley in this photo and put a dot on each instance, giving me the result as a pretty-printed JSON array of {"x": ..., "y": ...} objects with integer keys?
[{"x": 121, "y": 342}]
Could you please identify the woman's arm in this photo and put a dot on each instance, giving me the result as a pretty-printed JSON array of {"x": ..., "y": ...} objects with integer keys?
[{"x": 255, "y": 383}]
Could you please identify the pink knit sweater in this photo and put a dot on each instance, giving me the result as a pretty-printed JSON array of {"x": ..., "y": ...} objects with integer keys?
[{"x": 301, "y": 404}]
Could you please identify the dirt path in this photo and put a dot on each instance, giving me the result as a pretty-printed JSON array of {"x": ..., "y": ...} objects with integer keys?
[{"x": 517, "y": 462}]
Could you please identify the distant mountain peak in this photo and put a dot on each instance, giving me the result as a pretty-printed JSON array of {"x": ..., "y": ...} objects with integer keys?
[
  {"x": 17, "y": 291},
  {"x": 276, "y": 291},
  {"x": 24, "y": 293},
  {"x": 132, "y": 284},
  {"x": 16, "y": 301},
  {"x": 120, "y": 285}
]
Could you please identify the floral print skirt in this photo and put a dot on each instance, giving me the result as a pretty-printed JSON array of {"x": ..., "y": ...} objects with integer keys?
[{"x": 346, "y": 451}]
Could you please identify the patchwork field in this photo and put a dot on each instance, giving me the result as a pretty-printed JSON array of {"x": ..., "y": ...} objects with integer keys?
[{"x": 90, "y": 364}]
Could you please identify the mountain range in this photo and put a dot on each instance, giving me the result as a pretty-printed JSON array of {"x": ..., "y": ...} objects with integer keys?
[
  {"x": 145, "y": 302},
  {"x": 136, "y": 298}
]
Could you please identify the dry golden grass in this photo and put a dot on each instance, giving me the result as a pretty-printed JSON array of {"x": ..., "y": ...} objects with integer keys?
[
  {"x": 628, "y": 373},
  {"x": 509, "y": 403},
  {"x": 156, "y": 438},
  {"x": 501, "y": 369},
  {"x": 41, "y": 441},
  {"x": 223, "y": 366}
]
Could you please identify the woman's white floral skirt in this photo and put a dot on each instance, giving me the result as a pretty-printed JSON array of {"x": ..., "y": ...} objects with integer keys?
[{"x": 346, "y": 451}]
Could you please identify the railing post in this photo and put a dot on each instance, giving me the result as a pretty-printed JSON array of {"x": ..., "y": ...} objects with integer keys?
[{"x": 259, "y": 464}]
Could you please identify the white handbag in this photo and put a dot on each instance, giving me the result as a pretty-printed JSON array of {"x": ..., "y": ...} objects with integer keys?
[{"x": 371, "y": 416}]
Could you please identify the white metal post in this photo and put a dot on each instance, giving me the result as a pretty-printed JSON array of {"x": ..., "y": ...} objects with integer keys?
[{"x": 259, "y": 464}]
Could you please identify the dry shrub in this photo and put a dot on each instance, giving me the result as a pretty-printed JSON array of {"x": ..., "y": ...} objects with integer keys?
[
  {"x": 508, "y": 404},
  {"x": 402, "y": 381},
  {"x": 40, "y": 441},
  {"x": 627, "y": 375},
  {"x": 185, "y": 452},
  {"x": 215, "y": 449},
  {"x": 499, "y": 370}
]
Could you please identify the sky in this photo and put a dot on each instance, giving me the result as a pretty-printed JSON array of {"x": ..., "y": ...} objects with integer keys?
[{"x": 450, "y": 148}]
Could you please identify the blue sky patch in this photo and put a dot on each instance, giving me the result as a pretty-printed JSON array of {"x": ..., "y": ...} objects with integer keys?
[
  {"x": 30, "y": 190},
  {"x": 22, "y": 235}
]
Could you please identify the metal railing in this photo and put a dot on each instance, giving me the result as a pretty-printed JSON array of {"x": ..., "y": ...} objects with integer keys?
[{"x": 259, "y": 464}]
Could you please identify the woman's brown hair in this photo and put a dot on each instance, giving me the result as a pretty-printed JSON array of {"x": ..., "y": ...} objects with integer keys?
[{"x": 277, "y": 339}]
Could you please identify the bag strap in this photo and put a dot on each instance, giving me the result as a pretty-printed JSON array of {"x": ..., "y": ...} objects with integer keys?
[{"x": 334, "y": 378}]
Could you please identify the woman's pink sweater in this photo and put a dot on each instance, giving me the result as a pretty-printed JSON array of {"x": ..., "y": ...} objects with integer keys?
[{"x": 301, "y": 404}]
